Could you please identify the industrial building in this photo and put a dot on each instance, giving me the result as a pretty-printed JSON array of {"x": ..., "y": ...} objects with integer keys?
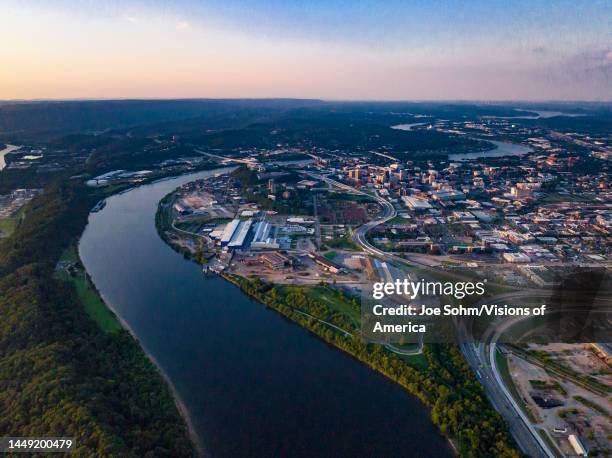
[
  {"x": 262, "y": 240},
  {"x": 228, "y": 232},
  {"x": 325, "y": 263},
  {"x": 240, "y": 234},
  {"x": 416, "y": 204},
  {"x": 274, "y": 260},
  {"x": 577, "y": 445},
  {"x": 447, "y": 194},
  {"x": 516, "y": 257}
]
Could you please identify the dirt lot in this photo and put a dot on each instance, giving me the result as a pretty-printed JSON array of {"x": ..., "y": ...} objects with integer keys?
[
  {"x": 305, "y": 272},
  {"x": 583, "y": 413},
  {"x": 581, "y": 358}
]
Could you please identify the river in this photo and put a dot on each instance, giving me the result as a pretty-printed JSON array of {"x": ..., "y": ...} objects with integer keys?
[
  {"x": 3, "y": 152},
  {"x": 501, "y": 149},
  {"x": 252, "y": 383},
  {"x": 408, "y": 127},
  {"x": 540, "y": 114}
]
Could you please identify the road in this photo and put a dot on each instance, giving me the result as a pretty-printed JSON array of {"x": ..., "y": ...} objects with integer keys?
[
  {"x": 317, "y": 223},
  {"x": 359, "y": 235},
  {"x": 481, "y": 358},
  {"x": 225, "y": 159},
  {"x": 519, "y": 425}
]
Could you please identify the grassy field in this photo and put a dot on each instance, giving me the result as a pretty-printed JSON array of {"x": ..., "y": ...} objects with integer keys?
[
  {"x": 398, "y": 220},
  {"x": 342, "y": 243},
  {"x": 87, "y": 294},
  {"x": 334, "y": 301},
  {"x": 8, "y": 225},
  {"x": 418, "y": 360}
]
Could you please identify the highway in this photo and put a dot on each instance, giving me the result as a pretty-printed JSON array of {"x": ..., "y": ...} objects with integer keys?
[
  {"x": 224, "y": 159},
  {"x": 481, "y": 358},
  {"x": 359, "y": 236},
  {"x": 482, "y": 362}
]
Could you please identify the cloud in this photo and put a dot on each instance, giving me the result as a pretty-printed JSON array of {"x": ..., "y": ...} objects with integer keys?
[
  {"x": 594, "y": 64},
  {"x": 182, "y": 25},
  {"x": 585, "y": 74},
  {"x": 132, "y": 19}
]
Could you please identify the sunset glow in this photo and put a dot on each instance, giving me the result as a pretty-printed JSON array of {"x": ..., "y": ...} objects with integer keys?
[{"x": 332, "y": 50}]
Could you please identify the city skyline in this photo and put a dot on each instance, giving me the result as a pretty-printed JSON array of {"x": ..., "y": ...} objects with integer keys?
[{"x": 326, "y": 50}]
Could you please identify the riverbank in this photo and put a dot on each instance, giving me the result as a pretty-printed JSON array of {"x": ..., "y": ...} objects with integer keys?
[
  {"x": 424, "y": 381},
  {"x": 420, "y": 384},
  {"x": 70, "y": 269},
  {"x": 124, "y": 406},
  {"x": 501, "y": 149},
  {"x": 195, "y": 326}
]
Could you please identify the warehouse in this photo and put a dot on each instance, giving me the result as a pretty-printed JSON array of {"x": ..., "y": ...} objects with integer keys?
[
  {"x": 274, "y": 260},
  {"x": 228, "y": 232},
  {"x": 240, "y": 234},
  {"x": 262, "y": 240},
  {"x": 325, "y": 263},
  {"x": 416, "y": 204}
]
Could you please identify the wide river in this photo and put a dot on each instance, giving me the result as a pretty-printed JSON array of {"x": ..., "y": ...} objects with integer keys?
[
  {"x": 252, "y": 383},
  {"x": 501, "y": 149}
]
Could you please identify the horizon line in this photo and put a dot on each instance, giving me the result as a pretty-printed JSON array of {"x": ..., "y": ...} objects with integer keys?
[{"x": 321, "y": 100}]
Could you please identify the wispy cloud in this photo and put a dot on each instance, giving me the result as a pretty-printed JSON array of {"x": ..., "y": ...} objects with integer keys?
[
  {"x": 182, "y": 25},
  {"x": 591, "y": 65},
  {"x": 132, "y": 19},
  {"x": 585, "y": 74}
]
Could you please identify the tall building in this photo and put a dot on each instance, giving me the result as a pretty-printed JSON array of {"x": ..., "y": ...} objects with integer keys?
[{"x": 355, "y": 174}]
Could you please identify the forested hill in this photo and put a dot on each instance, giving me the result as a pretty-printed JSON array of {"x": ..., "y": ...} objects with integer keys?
[
  {"x": 60, "y": 374},
  {"x": 25, "y": 121}
]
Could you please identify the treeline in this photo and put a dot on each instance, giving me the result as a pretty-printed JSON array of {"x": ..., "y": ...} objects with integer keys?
[
  {"x": 459, "y": 406},
  {"x": 61, "y": 375},
  {"x": 355, "y": 129}
]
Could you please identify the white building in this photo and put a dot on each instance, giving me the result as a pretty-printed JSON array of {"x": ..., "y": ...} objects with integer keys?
[
  {"x": 416, "y": 204},
  {"x": 516, "y": 258},
  {"x": 240, "y": 234},
  {"x": 577, "y": 445},
  {"x": 228, "y": 232}
]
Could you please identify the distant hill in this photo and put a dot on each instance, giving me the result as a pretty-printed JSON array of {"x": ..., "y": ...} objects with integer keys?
[{"x": 35, "y": 120}]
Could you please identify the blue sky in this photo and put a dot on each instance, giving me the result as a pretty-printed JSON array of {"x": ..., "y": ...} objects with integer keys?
[{"x": 327, "y": 49}]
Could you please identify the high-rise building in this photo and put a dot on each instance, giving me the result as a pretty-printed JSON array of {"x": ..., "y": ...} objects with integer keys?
[{"x": 355, "y": 174}]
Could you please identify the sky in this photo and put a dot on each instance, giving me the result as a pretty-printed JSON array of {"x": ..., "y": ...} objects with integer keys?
[{"x": 328, "y": 49}]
